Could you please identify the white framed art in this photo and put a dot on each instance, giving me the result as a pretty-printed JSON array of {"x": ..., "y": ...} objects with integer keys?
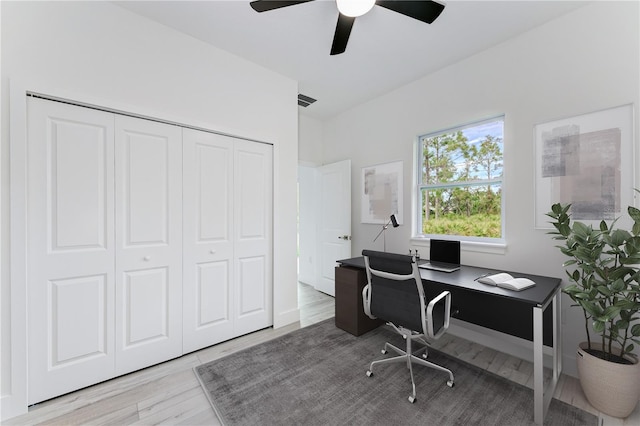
[
  {"x": 586, "y": 161},
  {"x": 382, "y": 193}
]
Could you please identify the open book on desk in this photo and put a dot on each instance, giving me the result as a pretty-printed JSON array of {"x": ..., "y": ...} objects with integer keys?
[{"x": 505, "y": 280}]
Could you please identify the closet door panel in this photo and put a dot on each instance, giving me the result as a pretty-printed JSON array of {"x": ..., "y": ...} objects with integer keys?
[
  {"x": 212, "y": 293},
  {"x": 146, "y": 302},
  {"x": 148, "y": 183},
  {"x": 78, "y": 188},
  {"x": 253, "y": 208},
  {"x": 252, "y": 286},
  {"x": 207, "y": 239},
  {"x": 70, "y": 259},
  {"x": 146, "y": 190},
  {"x": 212, "y": 193},
  {"x": 78, "y": 332}
]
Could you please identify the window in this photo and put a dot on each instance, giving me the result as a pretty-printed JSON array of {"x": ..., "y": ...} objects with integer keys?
[{"x": 460, "y": 181}]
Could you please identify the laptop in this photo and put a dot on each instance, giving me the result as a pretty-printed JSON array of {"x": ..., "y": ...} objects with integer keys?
[{"x": 444, "y": 256}]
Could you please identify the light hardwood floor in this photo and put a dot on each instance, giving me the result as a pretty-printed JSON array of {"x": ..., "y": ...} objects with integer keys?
[{"x": 169, "y": 393}]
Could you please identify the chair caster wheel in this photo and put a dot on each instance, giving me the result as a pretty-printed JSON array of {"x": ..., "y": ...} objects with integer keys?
[
  {"x": 384, "y": 351},
  {"x": 450, "y": 383},
  {"x": 369, "y": 373},
  {"x": 412, "y": 399},
  {"x": 424, "y": 356}
]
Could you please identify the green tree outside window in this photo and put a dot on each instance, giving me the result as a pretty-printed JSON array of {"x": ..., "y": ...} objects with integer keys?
[{"x": 460, "y": 189}]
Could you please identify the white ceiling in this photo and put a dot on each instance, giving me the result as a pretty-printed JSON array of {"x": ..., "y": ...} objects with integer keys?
[{"x": 386, "y": 50}]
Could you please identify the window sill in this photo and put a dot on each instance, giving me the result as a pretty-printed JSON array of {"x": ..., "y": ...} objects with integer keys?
[{"x": 499, "y": 247}]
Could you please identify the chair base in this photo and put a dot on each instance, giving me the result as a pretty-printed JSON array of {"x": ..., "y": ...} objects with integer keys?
[{"x": 410, "y": 358}]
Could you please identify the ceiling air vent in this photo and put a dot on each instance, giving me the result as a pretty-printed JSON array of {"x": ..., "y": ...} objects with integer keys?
[{"x": 305, "y": 101}]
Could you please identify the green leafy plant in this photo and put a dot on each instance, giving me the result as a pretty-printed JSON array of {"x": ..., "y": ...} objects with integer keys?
[{"x": 604, "y": 279}]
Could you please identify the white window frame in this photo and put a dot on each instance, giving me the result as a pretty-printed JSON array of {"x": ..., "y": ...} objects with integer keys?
[{"x": 472, "y": 243}]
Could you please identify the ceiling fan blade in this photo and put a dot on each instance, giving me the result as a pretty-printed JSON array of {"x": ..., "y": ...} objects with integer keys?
[
  {"x": 422, "y": 10},
  {"x": 341, "y": 36},
  {"x": 266, "y": 5}
]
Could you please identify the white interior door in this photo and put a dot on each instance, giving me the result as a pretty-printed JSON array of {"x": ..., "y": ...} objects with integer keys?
[
  {"x": 208, "y": 221},
  {"x": 148, "y": 182},
  {"x": 70, "y": 283},
  {"x": 253, "y": 241},
  {"x": 334, "y": 221}
]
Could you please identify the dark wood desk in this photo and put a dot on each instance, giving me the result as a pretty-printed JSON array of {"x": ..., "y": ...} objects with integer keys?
[
  {"x": 519, "y": 313},
  {"x": 350, "y": 314}
]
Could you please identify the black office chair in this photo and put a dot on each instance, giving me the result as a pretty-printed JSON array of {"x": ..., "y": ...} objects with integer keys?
[{"x": 394, "y": 293}]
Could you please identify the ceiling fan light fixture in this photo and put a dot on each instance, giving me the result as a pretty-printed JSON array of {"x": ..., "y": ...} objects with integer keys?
[
  {"x": 423, "y": 10},
  {"x": 355, "y": 8}
]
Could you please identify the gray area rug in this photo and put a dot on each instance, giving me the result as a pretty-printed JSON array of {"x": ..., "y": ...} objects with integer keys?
[{"x": 316, "y": 376}]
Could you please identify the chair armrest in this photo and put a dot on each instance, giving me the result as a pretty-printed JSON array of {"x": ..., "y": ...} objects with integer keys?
[
  {"x": 366, "y": 301},
  {"x": 447, "y": 313}
]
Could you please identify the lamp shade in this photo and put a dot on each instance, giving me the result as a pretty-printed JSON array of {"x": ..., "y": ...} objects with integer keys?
[{"x": 355, "y": 8}]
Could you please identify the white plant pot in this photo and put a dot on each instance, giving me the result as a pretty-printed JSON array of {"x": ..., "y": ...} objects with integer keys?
[{"x": 612, "y": 388}]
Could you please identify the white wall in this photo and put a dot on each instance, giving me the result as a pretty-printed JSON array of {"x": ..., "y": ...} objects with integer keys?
[
  {"x": 307, "y": 226},
  {"x": 309, "y": 140},
  {"x": 585, "y": 61},
  {"x": 104, "y": 54},
  {"x": 309, "y": 157}
]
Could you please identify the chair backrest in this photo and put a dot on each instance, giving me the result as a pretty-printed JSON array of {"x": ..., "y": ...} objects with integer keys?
[
  {"x": 395, "y": 289},
  {"x": 394, "y": 293}
]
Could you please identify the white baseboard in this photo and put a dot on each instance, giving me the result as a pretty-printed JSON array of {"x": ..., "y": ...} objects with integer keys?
[
  {"x": 12, "y": 406},
  {"x": 285, "y": 318}
]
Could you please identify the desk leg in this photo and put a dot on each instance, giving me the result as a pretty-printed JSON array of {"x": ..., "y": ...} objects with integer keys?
[{"x": 542, "y": 397}]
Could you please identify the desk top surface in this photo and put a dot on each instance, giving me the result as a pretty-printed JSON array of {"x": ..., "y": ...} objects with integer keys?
[{"x": 465, "y": 278}]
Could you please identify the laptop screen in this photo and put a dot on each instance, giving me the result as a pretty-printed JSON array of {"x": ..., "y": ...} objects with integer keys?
[{"x": 446, "y": 251}]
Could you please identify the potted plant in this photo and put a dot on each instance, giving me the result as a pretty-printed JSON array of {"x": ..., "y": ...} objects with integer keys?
[{"x": 605, "y": 282}]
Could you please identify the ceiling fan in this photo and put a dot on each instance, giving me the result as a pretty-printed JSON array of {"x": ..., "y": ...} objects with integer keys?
[{"x": 422, "y": 10}]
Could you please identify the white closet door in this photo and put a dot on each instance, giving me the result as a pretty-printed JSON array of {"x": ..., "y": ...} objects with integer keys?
[
  {"x": 148, "y": 196},
  {"x": 70, "y": 248},
  {"x": 207, "y": 239},
  {"x": 253, "y": 242}
]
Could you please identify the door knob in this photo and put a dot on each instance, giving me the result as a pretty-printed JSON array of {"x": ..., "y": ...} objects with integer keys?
[
  {"x": 344, "y": 237},
  {"x": 147, "y": 258}
]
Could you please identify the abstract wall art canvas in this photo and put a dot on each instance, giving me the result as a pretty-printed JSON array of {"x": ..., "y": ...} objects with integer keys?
[
  {"x": 586, "y": 161},
  {"x": 382, "y": 193}
]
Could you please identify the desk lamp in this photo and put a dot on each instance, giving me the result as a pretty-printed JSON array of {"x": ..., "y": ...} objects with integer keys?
[{"x": 392, "y": 221}]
